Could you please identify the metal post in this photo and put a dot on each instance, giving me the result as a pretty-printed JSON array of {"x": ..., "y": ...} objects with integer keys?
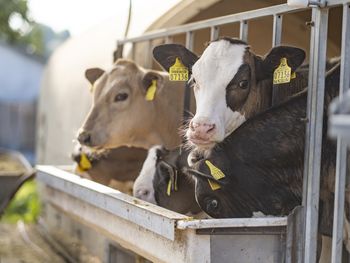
[
  {"x": 277, "y": 30},
  {"x": 148, "y": 60},
  {"x": 243, "y": 30},
  {"x": 168, "y": 40},
  {"x": 313, "y": 140},
  {"x": 214, "y": 33},
  {"x": 340, "y": 177},
  {"x": 187, "y": 98},
  {"x": 119, "y": 51},
  {"x": 276, "y": 41},
  {"x": 133, "y": 50}
]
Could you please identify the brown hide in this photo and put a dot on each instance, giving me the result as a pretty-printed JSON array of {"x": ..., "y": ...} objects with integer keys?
[
  {"x": 120, "y": 164},
  {"x": 121, "y": 116}
]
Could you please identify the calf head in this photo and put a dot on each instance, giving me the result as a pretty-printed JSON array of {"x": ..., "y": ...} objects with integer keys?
[
  {"x": 163, "y": 182},
  {"x": 231, "y": 84},
  {"x": 216, "y": 203},
  {"x": 121, "y": 114}
]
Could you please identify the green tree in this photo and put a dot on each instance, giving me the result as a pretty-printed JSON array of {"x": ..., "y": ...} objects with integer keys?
[{"x": 16, "y": 27}]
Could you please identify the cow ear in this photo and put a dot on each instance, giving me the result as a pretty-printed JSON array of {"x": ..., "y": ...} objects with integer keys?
[
  {"x": 166, "y": 55},
  {"x": 152, "y": 83},
  {"x": 295, "y": 57},
  {"x": 92, "y": 74}
]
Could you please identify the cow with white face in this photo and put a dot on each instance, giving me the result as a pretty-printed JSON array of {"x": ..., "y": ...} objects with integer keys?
[
  {"x": 163, "y": 181},
  {"x": 231, "y": 84},
  {"x": 132, "y": 106}
]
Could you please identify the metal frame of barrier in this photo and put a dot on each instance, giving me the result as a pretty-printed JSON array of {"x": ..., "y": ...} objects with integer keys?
[{"x": 313, "y": 139}]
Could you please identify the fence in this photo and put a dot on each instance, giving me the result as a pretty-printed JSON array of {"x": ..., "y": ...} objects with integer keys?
[{"x": 315, "y": 103}]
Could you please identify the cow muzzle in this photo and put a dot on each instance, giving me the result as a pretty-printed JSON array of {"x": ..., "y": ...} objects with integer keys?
[
  {"x": 201, "y": 131},
  {"x": 145, "y": 194}
]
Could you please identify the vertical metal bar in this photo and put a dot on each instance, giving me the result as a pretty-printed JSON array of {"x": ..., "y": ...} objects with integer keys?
[
  {"x": 148, "y": 59},
  {"x": 277, "y": 30},
  {"x": 276, "y": 41},
  {"x": 243, "y": 30},
  {"x": 133, "y": 50},
  {"x": 189, "y": 40},
  {"x": 119, "y": 51},
  {"x": 340, "y": 175},
  {"x": 214, "y": 33},
  {"x": 168, "y": 39},
  {"x": 314, "y": 141},
  {"x": 187, "y": 97}
]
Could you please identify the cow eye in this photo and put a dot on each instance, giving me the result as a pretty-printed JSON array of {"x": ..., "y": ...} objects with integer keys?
[
  {"x": 212, "y": 206},
  {"x": 121, "y": 97},
  {"x": 243, "y": 84}
]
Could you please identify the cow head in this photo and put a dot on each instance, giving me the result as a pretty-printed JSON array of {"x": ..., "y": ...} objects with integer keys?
[
  {"x": 121, "y": 114},
  {"x": 162, "y": 181},
  {"x": 231, "y": 84}
]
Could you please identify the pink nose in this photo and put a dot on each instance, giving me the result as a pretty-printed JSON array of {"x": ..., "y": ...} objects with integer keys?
[{"x": 202, "y": 129}]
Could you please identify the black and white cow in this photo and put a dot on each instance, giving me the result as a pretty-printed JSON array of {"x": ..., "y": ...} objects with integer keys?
[
  {"x": 231, "y": 84},
  {"x": 163, "y": 182},
  {"x": 263, "y": 164}
]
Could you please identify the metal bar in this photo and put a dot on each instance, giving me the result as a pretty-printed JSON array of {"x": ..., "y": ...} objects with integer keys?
[
  {"x": 276, "y": 41},
  {"x": 336, "y": 2},
  {"x": 168, "y": 40},
  {"x": 187, "y": 96},
  {"x": 148, "y": 58},
  {"x": 243, "y": 30},
  {"x": 314, "y": 142},
  {"x": 214, "y": 33},
  {"x": 189, "y": 40},
  {"x": 277, "y": 30},
  {"x": 133, "y": 51},
  {"x": 146, "y": 215},
  {"x": 340, "y": 175},
  {"x": 223, "y": 20},
  {"x": 119, "y": 51},
  {"x": 232, "y": 222}
]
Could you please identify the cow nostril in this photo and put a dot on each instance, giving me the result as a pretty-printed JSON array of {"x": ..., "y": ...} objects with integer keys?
[
  {"x": 84, "y": 138},
  {"x": 87, "y": 139},
  {"x": 211, "y": 128},
  {"x": 141, "y": 193}
]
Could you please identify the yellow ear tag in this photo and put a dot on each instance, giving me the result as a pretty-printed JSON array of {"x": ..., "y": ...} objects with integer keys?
[
  {"x": 293, "y": 76},
  {"x": 84, "y": 163},
  {"x": 168, "y": 189},
  {"x": 282, "y": 74},
  {"x": 151, "y": 91},
  {"x": 91, "y": 89},
  {"x": 216, "y": 173},
  {"x": 178, "y": 71}
]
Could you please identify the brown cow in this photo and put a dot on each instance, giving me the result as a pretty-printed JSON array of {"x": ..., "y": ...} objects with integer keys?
[
  {"x": 122, "y": 116},
  {"x": 121, "y": 164}
]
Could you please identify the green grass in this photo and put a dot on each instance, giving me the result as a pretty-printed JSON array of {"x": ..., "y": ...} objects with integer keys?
[{"x": 25, "y": 206}]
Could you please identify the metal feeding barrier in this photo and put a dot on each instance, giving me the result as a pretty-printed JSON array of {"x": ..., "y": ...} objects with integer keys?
[
  {"x": 315, "y": 102},
  {"x": 118, "y": 228}
]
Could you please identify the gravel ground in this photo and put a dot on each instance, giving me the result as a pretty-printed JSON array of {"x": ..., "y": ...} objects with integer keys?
[{"x": 23, "y": 244}]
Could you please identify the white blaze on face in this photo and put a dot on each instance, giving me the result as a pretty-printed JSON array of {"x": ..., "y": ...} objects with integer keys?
[
  {"x": 143, "y": 186},
  {"x": 212, "y": 72}
]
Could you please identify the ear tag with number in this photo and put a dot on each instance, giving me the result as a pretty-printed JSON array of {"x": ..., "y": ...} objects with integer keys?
[
  {"x": 151, "y": 91},
  {"x": 283, "y": 73},
  {"x": 84, "y": 163},
  {"x": 178, "y": 71},
  {"x": 216, "y": 173}
]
